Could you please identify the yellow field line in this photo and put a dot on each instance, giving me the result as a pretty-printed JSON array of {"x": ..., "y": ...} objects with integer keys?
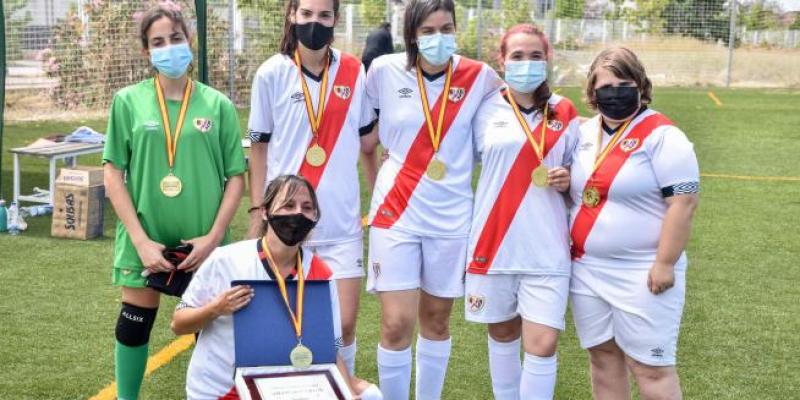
[
  {"x": 714, "y": 98},
  {"x": 754, "y": 178},
  {"x": 155, "y": 362}
]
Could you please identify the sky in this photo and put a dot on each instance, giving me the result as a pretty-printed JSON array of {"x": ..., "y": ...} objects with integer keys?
[{"x": 790, "y": 5}]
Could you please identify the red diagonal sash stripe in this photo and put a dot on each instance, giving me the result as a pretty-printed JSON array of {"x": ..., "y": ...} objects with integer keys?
[
  {"x": 333, "y": 117},
  {"x": 421, "y": 151},
  {"x": 604, "y": 176},
  {"x": 513, "y": 192}
]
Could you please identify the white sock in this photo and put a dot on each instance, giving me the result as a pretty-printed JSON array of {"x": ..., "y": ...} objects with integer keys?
[
  {"x": 432, "y": 357},
  {"x": 394, "y": 373},
  {"x": 538, "y": 377},
  {"x": 348, "y": 353},
  {"x": 505, "y": 369}
]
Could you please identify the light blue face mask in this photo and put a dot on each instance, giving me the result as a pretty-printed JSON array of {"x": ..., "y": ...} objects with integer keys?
[
  {"x": 437, "y": 48},
  {"x": 173, "y": 60},
  {"x": 525, "y": 76}
]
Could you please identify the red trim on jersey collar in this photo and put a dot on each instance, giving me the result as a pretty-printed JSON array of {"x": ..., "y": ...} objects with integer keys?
[
  {"x": 603, "y": 177},
  {"x": 334, "y": 116},
  {"x": 421, "y": 152},
  {"x": 513, "y": 191}
]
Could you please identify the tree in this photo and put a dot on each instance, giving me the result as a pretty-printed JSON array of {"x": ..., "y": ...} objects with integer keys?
[
  {"x": 760, "y": 16},
  {"x": 572, "y": 9},
  {"x": 702, "y": 19},
  {"x": 516, "y": 12},
  {"x": 373, "y": 12}
]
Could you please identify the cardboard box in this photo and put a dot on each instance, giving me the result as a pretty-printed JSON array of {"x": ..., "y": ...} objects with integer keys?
[
  {"x": 81, "y": 176},
  {"x": 78, "y": 203}
]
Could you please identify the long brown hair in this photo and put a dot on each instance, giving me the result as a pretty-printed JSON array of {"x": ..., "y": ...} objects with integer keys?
[
  {"x": 542, "y": 94},
  {"x": 154, "y": 14},
  {"x": 289, "y": 40},
  {"x": 291, "y": 183},
  {"x": 416, "y": 12}
]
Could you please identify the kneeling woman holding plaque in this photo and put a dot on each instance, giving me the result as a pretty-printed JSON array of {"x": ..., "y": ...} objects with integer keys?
[{"x": 290, "y": 210}]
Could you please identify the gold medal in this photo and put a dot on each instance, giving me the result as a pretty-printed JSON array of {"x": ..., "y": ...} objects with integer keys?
[
  {"x": 171, "y": 185},
  {"x": 436, "y": 170},
  {"x": 539, "y": 176},
  {"x": 301, "y": 357},
  {"x": 315, "y": 156},
  {"x": 591, "y": 197}
]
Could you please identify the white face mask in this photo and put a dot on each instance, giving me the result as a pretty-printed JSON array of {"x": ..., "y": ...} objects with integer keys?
[
  {"x": 525, "y": 76},
  {"x": 437, "y": 48}
]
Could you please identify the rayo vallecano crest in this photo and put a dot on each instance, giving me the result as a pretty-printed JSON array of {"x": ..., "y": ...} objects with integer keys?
[
  {"x": 456, "y": 94},
  {"x": 629, "y": 145},
  {"x": 343, "y": 92}
]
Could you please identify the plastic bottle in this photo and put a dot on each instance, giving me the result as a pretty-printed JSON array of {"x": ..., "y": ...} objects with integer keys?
[
  {"x": 34, "y": 211},
  {"x": 13, "y": 219},
  {"x": 3, "y": 216}
]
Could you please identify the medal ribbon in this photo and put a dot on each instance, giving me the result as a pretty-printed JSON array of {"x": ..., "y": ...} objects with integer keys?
[
  {"x": 436, "y": 135},
  {"x": 314, "y": 120},
  {"x": 537, "y": 148},
  {"x": 172, "y": 144},
  {"x": 600, "y": 156},
  {"x": 296, "y": 317}
]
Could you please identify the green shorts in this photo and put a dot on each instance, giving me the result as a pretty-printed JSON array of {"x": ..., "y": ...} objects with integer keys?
[{"x": 129, "y": 277}]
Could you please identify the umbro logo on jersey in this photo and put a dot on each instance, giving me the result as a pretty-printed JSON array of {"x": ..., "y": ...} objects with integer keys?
[
  {"x": 585, "y": 146},
  {"x": 456, "y": 94},
  {"x": 629, "y": 145},
  {"x": 405, "y": 93},
  {"x": 555, "y": 125},
  {"x": 297, "y": 97},
  {"x": 500, "y": 124},
  {"x": 152, "y": 126},
  {"x": 342, "y": 92},
  {"x": 476, "y": 303},
  {"x": 657, "y": 352},
  {"x": 202, "y": 124}
]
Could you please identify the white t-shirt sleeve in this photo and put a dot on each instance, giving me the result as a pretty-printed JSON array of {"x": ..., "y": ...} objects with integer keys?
[
  {"x": 336, "y": 314},
  {"x": 572, "y": 138},
  {"x": 206, "y": 284},
  {"x": 367, "y": 111},
  {"x": 261, "y": 122},
  {"x": 374, "y": 84},
  {"x": 673, "y": 159}
]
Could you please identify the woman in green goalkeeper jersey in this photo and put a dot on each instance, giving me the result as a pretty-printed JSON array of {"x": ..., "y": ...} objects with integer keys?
[{"x": 173, "y": 171}]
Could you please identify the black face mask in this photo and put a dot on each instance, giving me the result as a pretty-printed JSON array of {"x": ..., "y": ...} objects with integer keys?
[
  {"x": 314, "y": 35},
  {"x": 618, "y": 102},
  {"x": 291, "y": 229}
]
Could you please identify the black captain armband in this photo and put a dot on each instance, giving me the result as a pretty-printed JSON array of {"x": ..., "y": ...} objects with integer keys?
[
  {"x": 680, "y": 188},
  {"x": 259, "y": 137}
]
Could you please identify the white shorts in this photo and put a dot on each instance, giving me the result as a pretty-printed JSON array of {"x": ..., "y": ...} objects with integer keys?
[
  {"x": 346, "y": 260},
  {"x": 494, "y": 298},
  {"x": 404, "y": 261},
  {"x": 616, "y": 304}
]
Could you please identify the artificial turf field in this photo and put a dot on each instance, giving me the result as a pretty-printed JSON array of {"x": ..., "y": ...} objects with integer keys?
[{"x": 740, "y": 332}]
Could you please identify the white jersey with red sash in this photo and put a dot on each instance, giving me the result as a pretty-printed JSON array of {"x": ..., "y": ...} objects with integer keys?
[
  {"x": 405, "y": 198},
  {"x": 623, "y": 229},
  {"x": 278, "y": 114},
  {"x": 516, "y": 226},
  {"x": 211, "y": 368}
]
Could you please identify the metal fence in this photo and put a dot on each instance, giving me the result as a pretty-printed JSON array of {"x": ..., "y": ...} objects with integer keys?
[{"x": 66, "y": 58}]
